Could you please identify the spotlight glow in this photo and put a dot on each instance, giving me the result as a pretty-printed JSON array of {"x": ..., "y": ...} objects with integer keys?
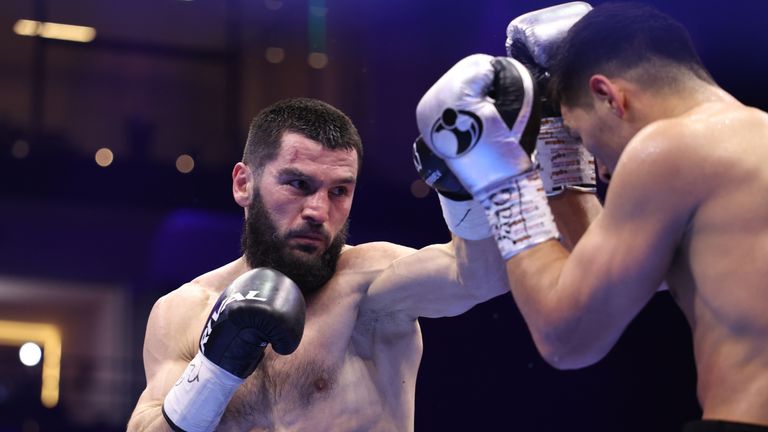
[
  {"x": 30, "y": 354},
  {"x": 185, "y": 164},
  {"x": 104, "y": 157},
  {"x": 50, "y": 30},
  {"x": 15, "y": 333},
  {"x": 275, "y": 54},
  {"x": 419, "y": 189},
  {"x": 317, "y": 60}
]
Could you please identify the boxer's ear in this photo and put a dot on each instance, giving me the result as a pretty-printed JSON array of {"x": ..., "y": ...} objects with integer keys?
[
  {"x": 605, "y": 91},
  {"x": 243, "y": 183}
]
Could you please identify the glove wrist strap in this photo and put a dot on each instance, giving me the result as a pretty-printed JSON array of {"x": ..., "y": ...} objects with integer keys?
[
  {"x": 198, "y": 399},
  {"x": 519, "y": 214},
  {"x": 465, "y": 219},
  {"x": 563, "y": 160}
]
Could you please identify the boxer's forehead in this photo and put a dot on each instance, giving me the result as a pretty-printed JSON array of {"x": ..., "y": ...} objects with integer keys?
[{"x": 299, "y": 153}]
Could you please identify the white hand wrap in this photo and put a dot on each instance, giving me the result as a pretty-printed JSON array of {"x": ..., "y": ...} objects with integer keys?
[
  {"x": 564, "y": 162},
  {"x": 466, "y": 219},
  {"x": 198, "y": 399},
  {"x": 519, "y": 214}
]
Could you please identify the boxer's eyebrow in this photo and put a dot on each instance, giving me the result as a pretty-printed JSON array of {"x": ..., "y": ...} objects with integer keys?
[
  {"x": 293, "y": 172},
  {"x": 298, "y": 174}
]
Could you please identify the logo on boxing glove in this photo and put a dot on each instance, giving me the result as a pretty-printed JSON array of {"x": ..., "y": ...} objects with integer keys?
[
  {"x": 236, "y": 296},
  {"x": 455, "y": 133}
]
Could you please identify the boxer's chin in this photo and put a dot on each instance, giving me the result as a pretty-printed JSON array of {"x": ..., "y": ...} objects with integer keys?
[{"x": 304, "y": 249}]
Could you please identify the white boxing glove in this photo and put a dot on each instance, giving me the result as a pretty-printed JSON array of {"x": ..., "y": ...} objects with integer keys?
[{"x": 481, "y": 117}]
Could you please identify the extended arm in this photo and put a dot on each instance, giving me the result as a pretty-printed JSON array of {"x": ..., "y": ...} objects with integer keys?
[
  {"x": 449, "y": 279},
  {"x": 446, "y": 279},
  {"x": 439, "y": 280}
]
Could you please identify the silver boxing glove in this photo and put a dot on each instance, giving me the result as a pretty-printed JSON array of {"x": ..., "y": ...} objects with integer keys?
[
  {"x": 532, "y": 39},
  {"x": 481, "y": 117}
]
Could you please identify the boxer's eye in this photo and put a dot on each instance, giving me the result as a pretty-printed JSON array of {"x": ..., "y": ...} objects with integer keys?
[
  {"x": 340, "y": 191},
  {"x": 301, "y": 185}
]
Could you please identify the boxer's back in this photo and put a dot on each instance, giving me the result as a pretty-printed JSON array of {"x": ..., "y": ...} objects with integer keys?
[{"x": 720, "y": 273}]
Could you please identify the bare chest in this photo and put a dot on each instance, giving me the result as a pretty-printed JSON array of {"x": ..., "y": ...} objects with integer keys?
[
  {"x": 282, "y": 386},
  {"x": 324, "y": 375}
]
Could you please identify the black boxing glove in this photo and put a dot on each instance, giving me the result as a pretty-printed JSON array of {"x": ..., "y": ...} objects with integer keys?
[
  {"x": 436, "y": 173},
  {"x": 463, "y": 215},
  {"x": 260, "y": 307}
]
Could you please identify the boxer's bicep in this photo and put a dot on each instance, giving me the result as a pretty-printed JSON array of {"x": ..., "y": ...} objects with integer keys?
[
  {"x": 465, "y": 273},
  {"x": 165, "y": 356},
  {"x": 439, "y": 280}
]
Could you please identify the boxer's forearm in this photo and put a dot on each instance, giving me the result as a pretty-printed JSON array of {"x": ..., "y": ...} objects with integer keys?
[
  {"x": 566, "y": 322},
  {"x": 533, "y": 277},
  {"x": 536, "y": 272},
  {"x": 148, "y": 419},
  {"x": 574, "y": 211},
  {"x": 480, "y": 268}
]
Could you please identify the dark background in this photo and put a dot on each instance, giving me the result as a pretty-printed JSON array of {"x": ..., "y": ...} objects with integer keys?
[{"x": 90, "y": 248}]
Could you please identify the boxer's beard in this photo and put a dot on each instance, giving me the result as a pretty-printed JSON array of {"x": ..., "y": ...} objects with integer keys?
[{"x": 263, "y": 246}]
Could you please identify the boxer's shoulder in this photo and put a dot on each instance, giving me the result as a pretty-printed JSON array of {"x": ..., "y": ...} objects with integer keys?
[
  {"x": 744, "y": 125},
  {"x": 359, "y": 266},
  {"x": 175, "y": 321},
  {"x": 717, "y": 121},
  {"x": 657, "y": 148},
  {"x": 664, "y": 159},
  {"x": 678, "y": 142},
  {"x": 373, "y": 257},
  {"x": 215, "y": 281},
  {"x": 203, "y": 291},
  {"x": 710, "y": 134},
  {"x": 178, "y": 316}
]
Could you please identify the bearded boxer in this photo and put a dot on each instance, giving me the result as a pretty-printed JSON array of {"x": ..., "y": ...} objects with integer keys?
[
  {"x": 685, "y": 204},
  {"x": 304, "y": 332}
]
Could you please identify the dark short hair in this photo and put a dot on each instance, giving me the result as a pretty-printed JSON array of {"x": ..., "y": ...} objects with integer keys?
[
  {"x": 312, "y": 118},
  {"x": 617, "y": 38}
]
